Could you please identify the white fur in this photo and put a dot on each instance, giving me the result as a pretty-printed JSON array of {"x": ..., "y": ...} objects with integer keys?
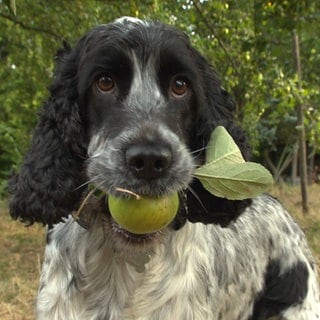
[{"x": 198, "y": 272}]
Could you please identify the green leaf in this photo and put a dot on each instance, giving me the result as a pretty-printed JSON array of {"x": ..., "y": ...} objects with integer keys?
[
  {"x": 221, "y": 146},
  {"x": 226, "y": 174},
  {"x": 235, "y": 181}
]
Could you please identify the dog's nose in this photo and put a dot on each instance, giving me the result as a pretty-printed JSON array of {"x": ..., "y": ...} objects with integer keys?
[{"x": 148, "y": 162}]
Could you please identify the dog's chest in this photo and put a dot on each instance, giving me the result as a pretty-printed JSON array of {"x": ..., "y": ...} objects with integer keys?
[
  {"x": 182, "y": 280},
  {"x": 169, "y": 282},
  {"x": 178, "y": 282},
  {"x": 173, "y": 284},
  {"x": 167, "y": 290}
]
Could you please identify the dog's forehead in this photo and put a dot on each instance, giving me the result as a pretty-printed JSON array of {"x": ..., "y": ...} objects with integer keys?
[
  {"x": 134, "y": 33},
  {"x": 130, "y": 22}
]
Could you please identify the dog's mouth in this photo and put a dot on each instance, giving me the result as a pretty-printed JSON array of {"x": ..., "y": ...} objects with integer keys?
[
  {"x": 96, "y": 205},
  {"x": 138, "y": 219}
]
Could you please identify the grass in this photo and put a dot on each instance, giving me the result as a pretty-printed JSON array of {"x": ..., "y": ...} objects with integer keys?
[
  {"x": 310, "y": 223},
  {"x": 20, "y": 262},
  {"x": 22, "y": 251}
]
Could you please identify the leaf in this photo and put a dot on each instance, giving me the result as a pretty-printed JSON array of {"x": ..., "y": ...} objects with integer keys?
[
  {"x": 222, "y": 146},
  {"x": 226, "y": 174},
  {"x": 235, "y": 181}
]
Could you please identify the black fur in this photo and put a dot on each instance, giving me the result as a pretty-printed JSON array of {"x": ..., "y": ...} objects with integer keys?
[
  {"x": 47, "y": 187},
  {"x": 282, "y": 290}
]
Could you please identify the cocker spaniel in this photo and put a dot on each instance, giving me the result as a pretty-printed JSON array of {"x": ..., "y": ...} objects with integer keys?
[{"x": 132, "y": 106}]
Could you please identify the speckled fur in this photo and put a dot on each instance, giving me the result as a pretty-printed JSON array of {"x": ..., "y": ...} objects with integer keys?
[{"x": 198, "y": 272}]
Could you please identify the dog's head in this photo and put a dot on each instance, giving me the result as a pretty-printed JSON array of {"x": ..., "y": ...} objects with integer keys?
[
  {"x": 132, "y": 106},
  {"x": 138, "y": 85}
]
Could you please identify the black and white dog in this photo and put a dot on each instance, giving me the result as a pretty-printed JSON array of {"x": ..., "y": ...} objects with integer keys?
[{"x": 132, "y": 106}]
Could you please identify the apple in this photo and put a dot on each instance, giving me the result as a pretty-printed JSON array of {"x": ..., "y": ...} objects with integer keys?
[{"x": 142, "y": 215}]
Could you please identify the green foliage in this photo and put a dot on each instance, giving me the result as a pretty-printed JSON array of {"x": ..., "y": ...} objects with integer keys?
[
  {"x": 226, "y": 174},
  {"x": 248, "y": 43},
  {"x": 11, "y": 4}
]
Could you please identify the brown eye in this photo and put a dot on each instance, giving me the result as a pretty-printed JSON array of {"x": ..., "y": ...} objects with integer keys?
[
  {"x": 179, "y": 87},
  {"x": 105, "y": 83}
]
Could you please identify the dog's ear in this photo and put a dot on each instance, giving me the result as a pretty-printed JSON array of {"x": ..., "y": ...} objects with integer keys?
[
  {"x": 216, "y": 109},
  {"x": 48, "y": 186}
]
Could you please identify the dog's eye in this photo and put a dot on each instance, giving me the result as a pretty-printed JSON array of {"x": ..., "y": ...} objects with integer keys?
[
  {"x": 105, "y": 83},
  {"x": 179, "y": 87}
]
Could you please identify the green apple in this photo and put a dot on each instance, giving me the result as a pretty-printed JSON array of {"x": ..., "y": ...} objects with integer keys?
[{"x": 143, "y": 214}]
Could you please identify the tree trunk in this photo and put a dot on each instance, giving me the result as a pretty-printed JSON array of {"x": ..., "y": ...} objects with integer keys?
[
  {"x": 294, "y": 168},
  {"x": 310, "y": 168},
  {"x": 300, "y": 116}
]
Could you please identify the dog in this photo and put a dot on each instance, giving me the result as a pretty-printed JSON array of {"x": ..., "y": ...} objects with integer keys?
[{"x": 132, "y": 106}]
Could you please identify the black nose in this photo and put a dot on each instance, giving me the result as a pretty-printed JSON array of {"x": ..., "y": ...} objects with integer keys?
[{"x": 148, "y": 162}]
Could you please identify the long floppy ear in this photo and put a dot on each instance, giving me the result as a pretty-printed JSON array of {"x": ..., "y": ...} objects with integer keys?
[
  {"x": 217, "y": 109},
  {"x": 48, "y": 186}
]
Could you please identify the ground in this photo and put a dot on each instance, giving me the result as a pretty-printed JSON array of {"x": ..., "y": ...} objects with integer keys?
[{"x": 22, "y": 251}]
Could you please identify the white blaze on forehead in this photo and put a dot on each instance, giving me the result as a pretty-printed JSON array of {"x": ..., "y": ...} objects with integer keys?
[
  {"x": 126, "y": 20},
  {"x": 145, "y": 90}
]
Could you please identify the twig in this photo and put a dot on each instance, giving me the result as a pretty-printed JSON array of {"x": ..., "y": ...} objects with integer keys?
[
  {"x": 220, "y": 42},
  {"x": 28, "y": 27},
  {"x": 84, "y": 201}
]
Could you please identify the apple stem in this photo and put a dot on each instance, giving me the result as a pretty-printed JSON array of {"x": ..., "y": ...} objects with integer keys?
[{"x": 138, "y": 197}]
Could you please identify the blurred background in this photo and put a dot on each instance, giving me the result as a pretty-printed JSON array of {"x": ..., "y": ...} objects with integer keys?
[{"x": 267, "y": 54}]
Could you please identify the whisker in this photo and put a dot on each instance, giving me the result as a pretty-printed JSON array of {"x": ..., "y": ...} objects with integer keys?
[
  {"x": 90, "y": 181},
  {"x": 198, "y": 150},
  {"x": 97, "y": 187},
  {"x": 197, "y": 198},
  {"x": 84, "y": 184},
  {"x": 76, "y": 215}
]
